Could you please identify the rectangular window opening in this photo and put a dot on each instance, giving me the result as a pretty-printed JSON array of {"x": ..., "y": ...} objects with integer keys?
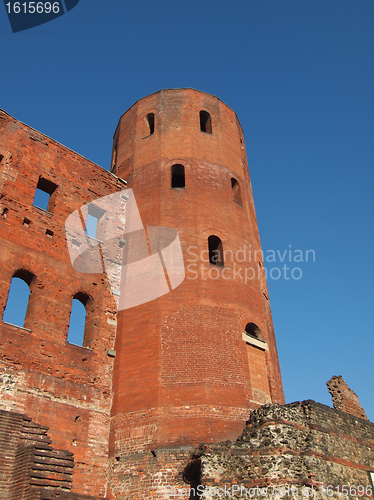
[
  {"x": 114, "y": 159},
  {"x": 93, "y": 227},
  {"x": 44, "y": 198}
]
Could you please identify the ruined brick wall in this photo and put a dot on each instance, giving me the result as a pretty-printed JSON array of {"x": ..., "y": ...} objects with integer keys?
[
  {"x": 30, "y": 468},
  {"x": 65, "y": 387},
  {"x": 344, "y": 398},
  {"x": 292, "y": 451}
]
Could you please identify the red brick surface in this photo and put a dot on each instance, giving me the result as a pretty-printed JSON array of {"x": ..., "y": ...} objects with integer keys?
[
  {"x": 344, "y": 398},
  {"x": 182, "y": 372},
  {"x": 62, "y": 386}
]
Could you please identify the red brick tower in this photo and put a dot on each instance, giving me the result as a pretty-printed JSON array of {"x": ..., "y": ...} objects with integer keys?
[{"x": 192, "y": 364}]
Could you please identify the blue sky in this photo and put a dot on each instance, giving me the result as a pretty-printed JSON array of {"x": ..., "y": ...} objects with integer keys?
[{"x": 300, "y": 76}]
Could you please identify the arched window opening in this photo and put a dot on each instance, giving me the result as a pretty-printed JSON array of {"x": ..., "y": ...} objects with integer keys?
[
  {"x": 18, "y": 298},
  {"x": 149, "y": 125},
  {"x": 253, "y": 331},
  {"x": 177, "y": 176},
  {"x": 215, "y": 251},
  {"x": 236, "y": 194},
  {"x": 77, "y": 333},
  {"x": 205, "y": 122},
  {"x": 45, "y": 194}
]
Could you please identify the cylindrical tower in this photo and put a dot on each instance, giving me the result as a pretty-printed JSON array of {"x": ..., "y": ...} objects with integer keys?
[{"x": 192, "y": 364}]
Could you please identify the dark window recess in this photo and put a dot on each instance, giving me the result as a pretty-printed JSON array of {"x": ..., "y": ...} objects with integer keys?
[
  {"x": 215, "y": 251},
  {"x": 177, "y": 176},
  {"x": 205, "y": 122},
  {"x": 77, "y": 328},
  {"x": 192, "y": 476},
  {"x": 236, "y": 194},
  {"x": 5, "y": 213},
  {"x": 45, "y": 195},
  {"x": 1, "y": 158},
  {"x": 26, "y": 222},
  {"x": 18, "y": 298},
  {"x": 149, "y": 125},
  {"x": 253, "y": 331},
  {"x": 49, "y": 233}
]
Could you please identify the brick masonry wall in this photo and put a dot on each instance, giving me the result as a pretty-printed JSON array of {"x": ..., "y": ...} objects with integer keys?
[
  {"x": 30, "y": 468},
  {"x": 147, "y": 474},
  {"x": 60, "y": 385},
  {"x": 182, "y": 373},
  {"x": 344, "y": 398}
]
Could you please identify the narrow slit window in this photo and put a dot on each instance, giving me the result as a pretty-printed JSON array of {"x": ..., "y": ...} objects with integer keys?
[
  {"x": 215, "y": 251},
  {"x": 205, "y": 122},
  {"x": 177, "y": 176},
  {"x": 44, "y": 195},
  {"x": 236, "y": 194},
  {"x": 114, "y": 159},
  {"x": 77, "y": 333},
  {"x": 149, "y": 125},
  {"x": 18, "y": 298}
]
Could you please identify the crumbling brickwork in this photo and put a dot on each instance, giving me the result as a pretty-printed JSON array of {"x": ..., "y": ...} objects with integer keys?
[
  {"x": 30, "y": 468},
  {"x": 65, "y": 387},
  {"x": 292, "y": 451},
  {"x": 344, "y": 398}
]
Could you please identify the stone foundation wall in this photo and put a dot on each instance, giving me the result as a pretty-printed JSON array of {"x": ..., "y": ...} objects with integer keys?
[{"x": 297, "y": 450}]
